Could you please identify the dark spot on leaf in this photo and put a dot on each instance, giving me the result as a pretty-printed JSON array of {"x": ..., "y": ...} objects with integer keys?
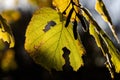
[
  {"x": 50, "y": 24},
  {"x": 66, "y": 53}
]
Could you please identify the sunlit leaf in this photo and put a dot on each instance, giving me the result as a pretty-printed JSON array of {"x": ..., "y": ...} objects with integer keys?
[
  {"x": 51, "y": 44},
  {"x": 11, "y": 15},
  {"x": 115, "y": 54},
  {"x": 104, "y": 42},
  {"x": 101, "y": 9},
  {"x": 92, "y": 26},
  {"x": 71, "y": 10},
  {"x": 65, "y": 6},
  {"x": 102, "y": 39},
  {"x": 5, "y": 32}
]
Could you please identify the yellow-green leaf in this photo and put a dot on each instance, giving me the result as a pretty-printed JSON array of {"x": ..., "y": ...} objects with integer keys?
[
  {"x": 59, "y": 4},
  {"x": 115, "y": 54},
  {"x": 94, "y": 33},
  {"x": 105, "y": 44},
  {"x": 65, "y": 6},
  {"x": 6, "y": 33},
  {"x": 50, "y": 43},
  {"x": 101, "y": 9},
  {"x": 102, "y": 39}
]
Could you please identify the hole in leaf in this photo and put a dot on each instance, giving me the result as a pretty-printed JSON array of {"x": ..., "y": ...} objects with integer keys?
[
  {"x": 50, "y": 24},
  {"x": 66, "y": 53}
]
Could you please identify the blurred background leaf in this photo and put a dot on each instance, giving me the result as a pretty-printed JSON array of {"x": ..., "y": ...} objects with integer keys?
[
  {"x": 41, "y": 3},
  {"x": 6, "y": 32},
  {"x": 8, "y": 60},
  {"x": 2, "y": 45},
  {"x": 11, "y": 15}
]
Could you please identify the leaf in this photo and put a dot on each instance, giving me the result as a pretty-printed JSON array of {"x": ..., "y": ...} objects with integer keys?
[
  {"x": 11, "y": 15},
  {"x": 92, "y": 27},
  {"x": 2, "y": 46},
  {"x": 41, "y": 3},
  {"x": 115, "y": 54},
  {"x": 71, "y": 10},
  {"x": 56, "y": 47},
  {"x": 66, "y": 6},
  {"x": 104, "y": 42},
  {"x": 60, "y": 6},
  {"x": 110, "y": 49},
  {"x": 101, "y": 9},
  {"x": 8, "y": 60},
  {"x": 6, "y": 33}
]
